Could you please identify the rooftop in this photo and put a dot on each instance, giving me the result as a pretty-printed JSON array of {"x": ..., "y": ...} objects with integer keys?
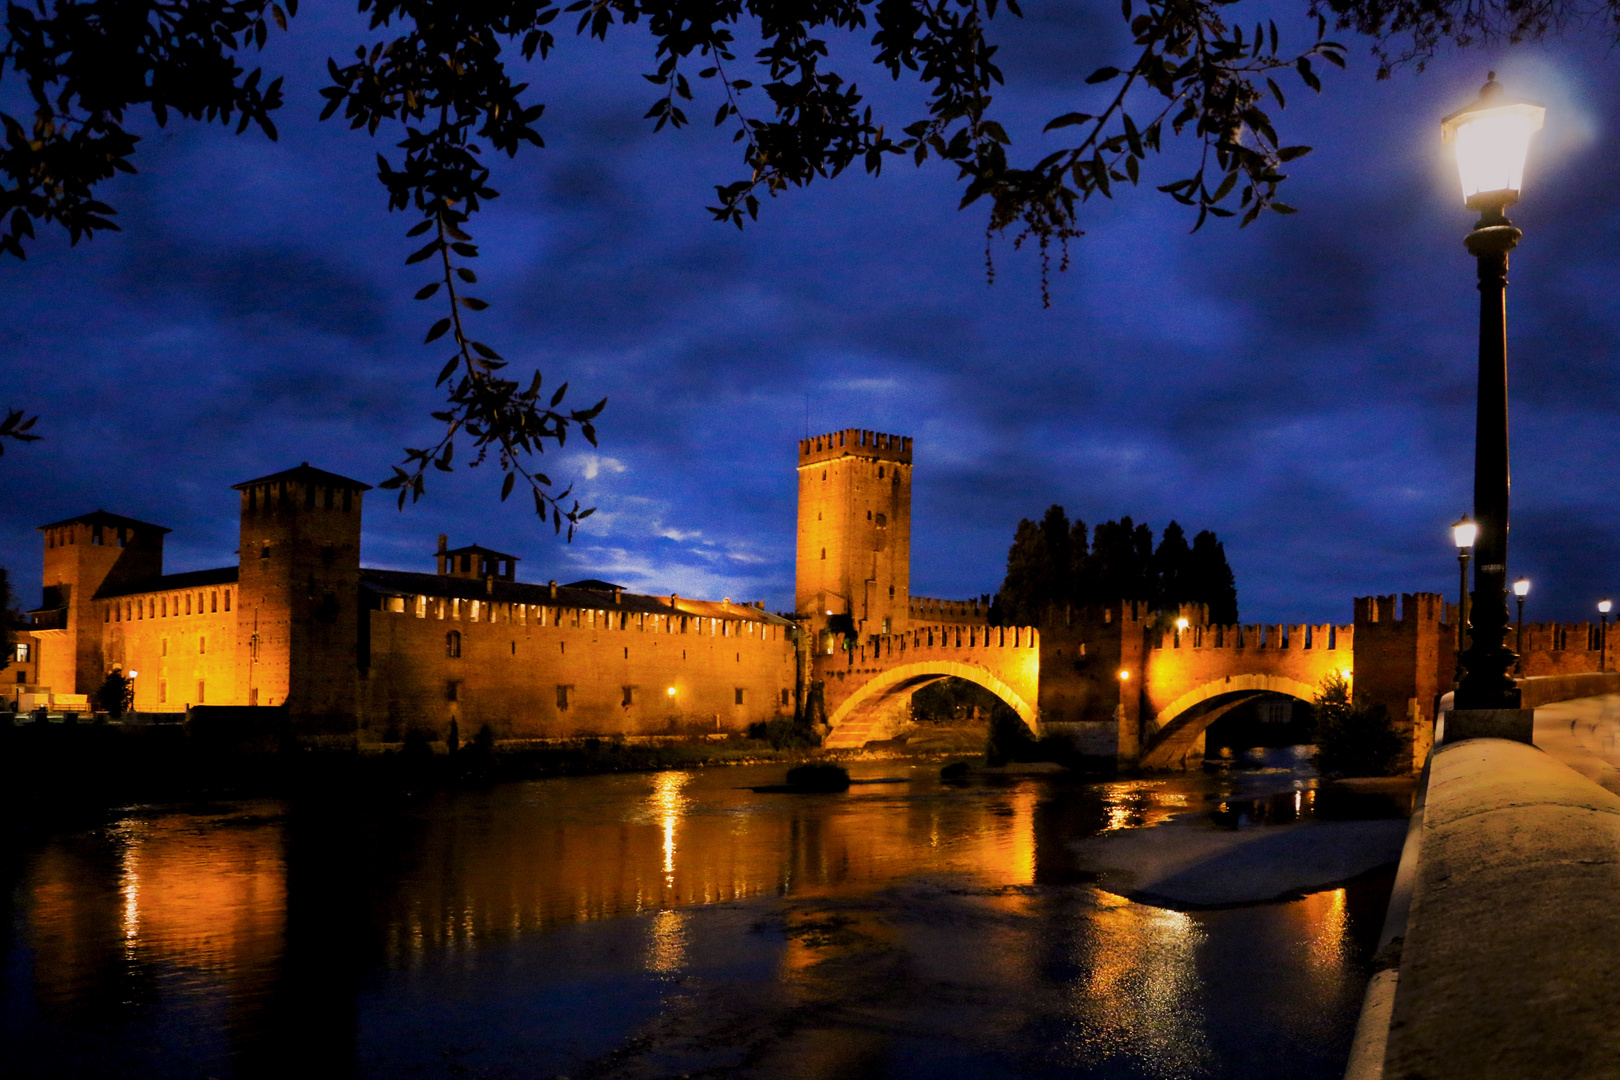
[
  {"x": 306, "y": 473},
  {"x": 101, "y": 517}
]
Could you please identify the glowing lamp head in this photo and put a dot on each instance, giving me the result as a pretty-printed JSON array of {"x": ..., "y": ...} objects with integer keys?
[
  {"x": 1492, "y": 140},
  {"x": 1605, "y": 606},
  {"x": 1345, "y": 673},
  {"x": 132, "y": 674},
  {"x": 1521, "y": 588},
  {"x": 1124, "y": 676},
  {"x": 1181, "y": 624},
  {"x": 670, "y": 691},
  {"x": 1464, "y": 533}
]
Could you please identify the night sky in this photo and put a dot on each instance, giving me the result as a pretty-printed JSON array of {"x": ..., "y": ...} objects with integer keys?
[{"x": 1304, "y": 387}]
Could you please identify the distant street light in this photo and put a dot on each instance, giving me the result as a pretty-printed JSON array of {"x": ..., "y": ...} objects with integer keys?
[
  {"x": 1462, "y": 534},
  {"x": 1521, "y": 589},
  {"x": 1604, "y": 607},
  {"x": 1492, "y": 140}
]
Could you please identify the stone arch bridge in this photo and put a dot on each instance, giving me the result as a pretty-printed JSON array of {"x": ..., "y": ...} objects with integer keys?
[
  {"x": 867, "y": 686},
  {"x": 1113, "y": 681}
]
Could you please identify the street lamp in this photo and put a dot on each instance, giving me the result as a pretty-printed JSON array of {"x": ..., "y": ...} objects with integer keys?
[
  {"x": 1604, "y": 607},
  {"x": 1492, "y": 140},
  {"x": 1521, "y": 589},
  {"x": 1462, "y": 534}
]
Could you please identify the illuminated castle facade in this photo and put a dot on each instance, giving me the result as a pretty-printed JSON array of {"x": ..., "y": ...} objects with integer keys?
[{"x": 299, "y": 622}]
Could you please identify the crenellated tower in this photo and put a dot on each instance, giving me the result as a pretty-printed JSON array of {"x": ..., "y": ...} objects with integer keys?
[
  {"x": 854, "y": 535},
  {"x": 299, "y": 588}
]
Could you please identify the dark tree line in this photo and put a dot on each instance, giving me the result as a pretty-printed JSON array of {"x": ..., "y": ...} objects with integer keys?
[{"x": 1053, "y": 561}]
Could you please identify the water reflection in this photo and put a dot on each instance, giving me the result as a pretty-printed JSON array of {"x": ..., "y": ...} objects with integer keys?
[{"x": 344, "y": 939}]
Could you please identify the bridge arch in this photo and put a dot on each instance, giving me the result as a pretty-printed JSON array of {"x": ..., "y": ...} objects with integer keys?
[
  {"x": 883, "y": 688},
  {"x": 1183, "y": 720}
]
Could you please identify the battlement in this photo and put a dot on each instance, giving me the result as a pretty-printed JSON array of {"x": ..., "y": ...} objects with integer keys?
[
  {"x": 1313, "y": 636},
  {"x": 854, "y": 442},
  {"x": 927, "y": 609},
  {"x": 1413, "y": 608}
]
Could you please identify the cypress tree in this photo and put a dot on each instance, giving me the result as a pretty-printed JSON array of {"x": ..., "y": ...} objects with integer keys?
[
  {"x": 1210, "y": 579},
  {"x": 1171, "y": 566}
]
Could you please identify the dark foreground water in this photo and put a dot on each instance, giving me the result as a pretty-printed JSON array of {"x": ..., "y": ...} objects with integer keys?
[{"x": 668, "y": 925}]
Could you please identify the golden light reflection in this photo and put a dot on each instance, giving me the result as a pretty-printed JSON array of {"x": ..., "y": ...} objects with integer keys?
[
  {"x": 669, "y": 804},
  {"x": 1140, "y": 995},
  {"x": 666, "y": 944},
  {"x": 1134, "y": 804}
]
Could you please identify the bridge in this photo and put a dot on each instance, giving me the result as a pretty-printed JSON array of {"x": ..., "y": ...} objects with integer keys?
[
  {"x": 867, "y": 686},
  {"x": 1193, "y": 677}
]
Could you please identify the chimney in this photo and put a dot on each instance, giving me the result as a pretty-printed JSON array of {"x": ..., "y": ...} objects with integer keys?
[
  {"x": 616, "y": 593},
  {"x": 553, "y": 590},
  {"x": 489, "y": 584},
  {"x": 444, "y": 542}
]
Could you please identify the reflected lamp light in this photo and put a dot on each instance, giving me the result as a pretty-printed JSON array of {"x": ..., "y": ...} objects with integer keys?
[
  {"x": 1464, "y": 533},
  {"x": 1492, "y": 140},
  {"x": 1521, "y": 588}
]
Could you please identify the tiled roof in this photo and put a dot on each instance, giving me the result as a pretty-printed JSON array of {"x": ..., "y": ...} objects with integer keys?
[{"x": 194, "y": 579}]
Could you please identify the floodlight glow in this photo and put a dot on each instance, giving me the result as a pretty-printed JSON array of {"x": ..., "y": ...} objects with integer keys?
[
  {"x": 1124, "y": 675},
  {"x": 1181, "y": 624},
  {"x": 670, "y": 691}
]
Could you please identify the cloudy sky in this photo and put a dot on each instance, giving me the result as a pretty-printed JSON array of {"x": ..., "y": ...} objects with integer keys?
[{"x": 1304, "y": 387}]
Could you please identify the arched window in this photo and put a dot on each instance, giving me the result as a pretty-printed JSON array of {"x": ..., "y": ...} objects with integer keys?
[{"x": 452, "y": 644}]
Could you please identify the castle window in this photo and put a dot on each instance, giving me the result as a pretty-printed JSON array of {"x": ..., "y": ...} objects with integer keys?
[
  {"x": 163, "y": 690},
  {"x": 326, "y": 500},
  {"x": 882, "y": 521},
  {"x": 823, "y": 553},
  {"x": 396, "y": 604},
  {"x": 631, "y": 694},
  {"x": 264, "y": 552},
  {"x": 22, "y": 652},
  {"x": 786, "y": 700},
  {"x": 421, "y": 607},
  {"x": 466, "y": 563},
  {"x": 880, "y": 472},
  {"x": 455, "y": 608},
  {"x": 213, "y": 602},
  {"x": 188, "y": 604},
  {"x": 163, "y": 607},
  {"x": 738, "y": 695},
  {"x": 200, "y": 697},
  {"x": 309, "y": 496},
  {"x": 345, "y": 500},
  {"x": 163, "y": 647},
  {"x": 452, "y": 690},
  {"x": 106, "y": 615},
  {"x": 574, "y": 619},
  {"x": 95, "y": 536},
  {"x": 202, "y": 646},
  {"x": 472, "y": 614},
  {"x": 227, "y": 599},
  {"x": 514, "y": 648},
  {"x": 452, "y": 644},
  {"x": 824, "y": 474},
  {"x": 869, "y": 515},
  {"x": 564, "y": 693}
]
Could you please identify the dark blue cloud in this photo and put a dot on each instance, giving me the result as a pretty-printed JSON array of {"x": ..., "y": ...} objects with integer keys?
[{"x": 1304, "y": 387}]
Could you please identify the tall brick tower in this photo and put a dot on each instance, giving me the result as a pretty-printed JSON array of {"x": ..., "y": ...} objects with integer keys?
[
  {"x": 83, "y": 554},
  {"x": 854, "y": 543},
  {"x": 299, "y": 593}
]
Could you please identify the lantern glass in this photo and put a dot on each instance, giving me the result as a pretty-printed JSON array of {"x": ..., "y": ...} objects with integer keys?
[
  {"x": 1605, "y": 606},
  {"x": 1521, "y": 588},
  {"x": 1464, "y": 533},
  {"x": 1492, "y": 140}
]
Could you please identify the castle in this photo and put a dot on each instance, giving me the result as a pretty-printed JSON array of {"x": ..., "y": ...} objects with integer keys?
[
  {"x": 299, "y": 623},
  {"x": 356, "y": 653}
]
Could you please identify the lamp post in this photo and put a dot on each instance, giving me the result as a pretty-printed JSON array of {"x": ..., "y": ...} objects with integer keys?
[
  {"x": 1604, "y": 607},
  {"x": 1492, "y": 140},
  {"x": 1521, "y": 589},
  {"x": 1462, "y": 534}
]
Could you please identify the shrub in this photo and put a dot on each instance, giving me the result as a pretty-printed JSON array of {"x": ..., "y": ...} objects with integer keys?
[
  {"x": 783, "y": 734},
  {"x": 116, "y": 695},
  {"x": 1355, "y": 738}
]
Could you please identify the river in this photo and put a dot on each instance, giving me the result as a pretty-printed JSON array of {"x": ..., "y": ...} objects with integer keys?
[{"x": 672, "y": 924}]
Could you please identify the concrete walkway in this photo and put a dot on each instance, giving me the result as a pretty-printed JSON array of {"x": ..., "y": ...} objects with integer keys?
[
  {"x": 1585, "y": 735},
  {"x": 1510, "y": 965}
]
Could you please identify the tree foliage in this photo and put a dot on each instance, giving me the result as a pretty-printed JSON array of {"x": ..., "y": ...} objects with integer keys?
[
  {"x": 443, "y": 80},
  {"x": 1051, "y": 562},
  {"x": 9, "y": 620},
  {"x": 1354, "y": 738}
]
